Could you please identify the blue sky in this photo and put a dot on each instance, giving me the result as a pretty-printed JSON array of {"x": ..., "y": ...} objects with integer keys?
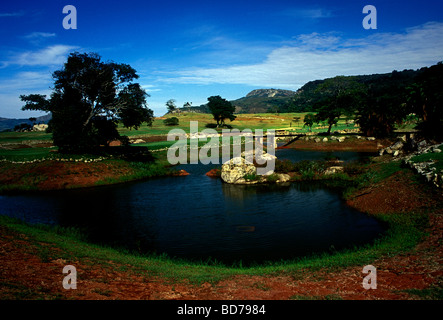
[{"x": 190, "y": 50}]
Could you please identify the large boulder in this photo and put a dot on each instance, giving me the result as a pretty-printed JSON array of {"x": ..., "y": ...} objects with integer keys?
[
  {"x": 40, "y": 127},
  {"x": 234, "y": 170}
]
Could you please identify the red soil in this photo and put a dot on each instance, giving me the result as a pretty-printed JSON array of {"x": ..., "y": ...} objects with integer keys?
[{"x": 213, "y": 173}]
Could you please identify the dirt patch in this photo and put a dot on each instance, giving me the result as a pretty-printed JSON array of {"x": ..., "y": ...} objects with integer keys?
[
  {"x": 404, "y": 195},
  {"x": 55, "y": 175}
]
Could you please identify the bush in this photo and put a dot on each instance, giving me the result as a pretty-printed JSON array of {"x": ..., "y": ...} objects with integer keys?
[
  {"x": 284, "y": 166},
  {"x": 251, "y": 177},
  {"x": 171, "y": 121},
  {"x": 272, "y": 178}
]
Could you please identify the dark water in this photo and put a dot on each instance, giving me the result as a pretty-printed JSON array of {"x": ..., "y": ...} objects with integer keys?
[{"x": 196, "y": 217}]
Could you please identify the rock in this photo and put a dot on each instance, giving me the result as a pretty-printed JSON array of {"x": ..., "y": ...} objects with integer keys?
[
  {"x": 137, "y": 141},
  {"x": 334, "y": 169},
  {"x": 182, "y": 173},
  {"x": 370, "y": 138},
  {"x": 341, "y": 139},
  {"x": 396, "y": 153},
  {"x": 283, "y": 177},
  {"x": 234, "y": 170},
  {"x": 40, "y": 127},
  {"x": 397, "y": 146},
  {"x": 317, "y": 140},
  {"x": 333, "y": 138},
  {"x": 421, "y": 146},
  {"x": 325, "y": 139},
  {"x": 265, "y": 157}
]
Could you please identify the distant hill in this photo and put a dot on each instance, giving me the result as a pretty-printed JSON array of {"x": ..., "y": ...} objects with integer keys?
[
  {"x": 9, "y": 124},
  {"x": 256, "y": 101},
  {"x": 308, "y": 94},
  {"x": 262, "y": 100}
]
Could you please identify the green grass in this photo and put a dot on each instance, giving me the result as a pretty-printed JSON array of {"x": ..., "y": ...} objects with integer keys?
[
  {"x": 26, "y": 154},
  {"x": 432, "y": 293},
  {"x": 24, "y": 137}
]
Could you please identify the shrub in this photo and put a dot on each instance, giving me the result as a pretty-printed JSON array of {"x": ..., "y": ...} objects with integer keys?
[
  {"x": 272, "y": 178},
  {"x": 251, "y": 177},
  {"x": 284, "y": 166},
  {"x": 173, "y": 121}
]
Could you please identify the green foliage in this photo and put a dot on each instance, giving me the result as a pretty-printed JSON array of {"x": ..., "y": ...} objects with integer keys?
[
  {"x": 170, "y": 105},
  {"x": 22, "y": 127},
  {"x": 425, "y": 98},
  {"x": 338, "y": 96},
  {"x": 284, "y": 166},
  {"x": 88, "y": 99},
  {"x": 251, "y": 177},
  {"x": 173, "y": 121},
  {"x": 272, "y": 178},
  {"x": 309, "y": 121},
  {"x": 221, "y": 109},
  {"x": 380, "y": 102}
]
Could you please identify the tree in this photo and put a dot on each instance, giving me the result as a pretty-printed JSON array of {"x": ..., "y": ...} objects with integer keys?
[
  {"x": 425, "y": 98},
  {"x": 221, "y": 109},
  {"x": 382, "y": 109},
  {"x": 340, "y": 95},
  {"x": 309, "y": 121},
  {"x": 170, "y": 105},
  {"x": 89, "y": 98}
]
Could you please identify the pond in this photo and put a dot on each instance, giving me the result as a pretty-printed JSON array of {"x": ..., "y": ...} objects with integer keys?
[{"x": 197, "y": 217}]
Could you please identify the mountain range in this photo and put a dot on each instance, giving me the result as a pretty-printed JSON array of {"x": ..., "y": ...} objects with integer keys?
[{"x": 8, "y": 124}]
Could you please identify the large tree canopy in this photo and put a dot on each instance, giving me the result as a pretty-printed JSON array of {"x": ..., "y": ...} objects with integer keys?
[
  {"x": 425, "y": 98},
  {"x": 221, "y": 109},
  {"x": 338, "y": 96},
  {"x": 89, "y": 98}
]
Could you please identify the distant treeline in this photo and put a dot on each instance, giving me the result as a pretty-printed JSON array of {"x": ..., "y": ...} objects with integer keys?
[{"x": 378, "y": 101}]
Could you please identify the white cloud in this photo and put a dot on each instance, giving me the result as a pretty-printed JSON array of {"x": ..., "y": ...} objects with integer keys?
[
  {"x": 34, "y": 35},
  {"x": 37, "y": 37},
  {"x": 49, "y": 56},
  {"x": 318, "y": 56},
  {"x": 22, "y": 83},
  {"x": 12, "y": 14},
  {"x": 27, "y": 80}
]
